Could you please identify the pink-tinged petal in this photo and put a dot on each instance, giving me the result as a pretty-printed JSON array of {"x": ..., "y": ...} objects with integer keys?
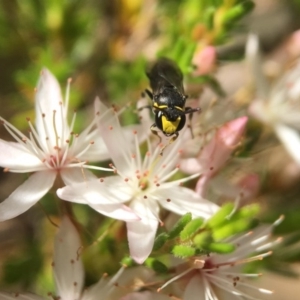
[
  {"x": 114, "y": 138},
  {"x": 201, "y": 185},
  {"x": 17, "y": 158},
  {"x": 67, "y": 264},
  {"x": 76, "y": 175},
  {"x": 27, "y": 194},
  {"x": 49, "y": 102},
  {"x": 195, "y": 289},
  {"x": 19, "y": 296},
  {"x": 205, "y": 60},
  {"x": 290, "y": 138},
  {"x": 141, "y": 234},
  {"x": 182, "y": 200},
  {"x": 249, "y": 186},
  {"x": 218, "y": 150}
]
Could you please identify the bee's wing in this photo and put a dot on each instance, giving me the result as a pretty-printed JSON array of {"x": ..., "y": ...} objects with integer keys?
[{"x": 165, "y": 73}]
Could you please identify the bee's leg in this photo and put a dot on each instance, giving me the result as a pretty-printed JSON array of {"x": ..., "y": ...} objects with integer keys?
[
  {"x": 190, "y": 111},
  {"x": 148, "y": 93},
  {"x": 171, "y": 140},
  {"x": 154, "y": 130}
]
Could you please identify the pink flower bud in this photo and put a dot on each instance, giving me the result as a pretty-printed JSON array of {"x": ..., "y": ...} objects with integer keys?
[{"x": 204, "y": 60}]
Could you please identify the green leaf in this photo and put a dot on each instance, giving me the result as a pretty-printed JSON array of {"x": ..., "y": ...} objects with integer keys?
[
  {"x": 220, "y": 217},
  {"x": 183, "y": 221},
  {"x": 156, "y": 265},
  {"x": 160, "y": 240},
  {"x": 191, "y": 228},
  {"x": 223, "y": 248},
  {"x": 183, "y": 251},
  {"x": 236, "y": 13},
  {"x": 203, "y": 239},
  {"x": 233, "y": 228},
  {"x": 127, "y": 261}
]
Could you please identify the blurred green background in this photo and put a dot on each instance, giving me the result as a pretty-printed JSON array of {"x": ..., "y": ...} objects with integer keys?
[{"x": 105, "y": 46}]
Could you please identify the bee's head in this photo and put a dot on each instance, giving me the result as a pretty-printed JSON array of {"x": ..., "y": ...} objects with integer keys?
[{"x": 169, "y": 121}]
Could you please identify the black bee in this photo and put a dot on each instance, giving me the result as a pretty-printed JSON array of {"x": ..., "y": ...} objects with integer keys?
[{"x": 168, "y": 98}]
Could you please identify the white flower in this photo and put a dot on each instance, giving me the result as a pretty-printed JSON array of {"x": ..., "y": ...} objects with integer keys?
[
  {"x": 51, "y": 149},
  {"x": 219, "y": 276},
  {"x": 69, "y": 273},
  {"x": 143, "y": 182},
  {"x": 277, "y": 106}
]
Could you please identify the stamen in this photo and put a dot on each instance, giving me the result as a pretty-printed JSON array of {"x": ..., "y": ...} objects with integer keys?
[{"x": 174, "y": 279}]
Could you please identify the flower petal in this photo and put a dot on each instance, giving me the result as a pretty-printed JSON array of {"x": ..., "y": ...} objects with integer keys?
[
  {"x": 145, "y": 296},
  {"x": 141, "y": 234},
  {"x": 114, "y": 138},
  {"x": 181, "y": 200},
  {"x": 50, "y": 113},
  {"x": 105, "y": 196},
  {"x": 26, "y": 195},
  {"x": 195, "y": 289},
  {"x": 17, "y": 158},
  {"x": 68, "y": 267},
  {"x": 109, "y": 190},
  {"x": 254, "y": 61},
  {"x": 18, "y": 296},
  {"x": 76, "y": 175},
  {"x": 290, "y": 139}
]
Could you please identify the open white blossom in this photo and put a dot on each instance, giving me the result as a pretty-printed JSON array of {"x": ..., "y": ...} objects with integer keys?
[
  {"x": 143, "y": 182},
  {"x": 219, "y": 276},
  {"x": 278, "y": 105},
  {"x": 51, "y": 149},
  {"x": 69, "y": 273}
]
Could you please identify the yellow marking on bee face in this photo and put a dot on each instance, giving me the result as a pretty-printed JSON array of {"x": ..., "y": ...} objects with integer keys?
[
  {"x": 169, "y": 127},
  {"x": 179, "y": 108},
  {"x": 159, "y": 106}
]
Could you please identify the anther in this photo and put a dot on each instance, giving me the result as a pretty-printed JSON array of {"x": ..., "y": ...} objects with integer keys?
[
  {"x": 101, "y": 179},
  {"x": 110, "y": 128},
  {"x": 6, "y": 170}
]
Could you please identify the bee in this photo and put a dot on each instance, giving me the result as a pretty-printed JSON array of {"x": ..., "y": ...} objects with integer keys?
[{"x": 168, "y": 99}]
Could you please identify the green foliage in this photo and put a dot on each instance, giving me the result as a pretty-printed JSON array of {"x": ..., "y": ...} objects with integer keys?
[
  {"x": 190, "y": 229},
  {"x": 156, "y": 265},
  {"x": 30, "y": 260},
  {"x": 183, "y": 251},
  {"x": 178, "y": 227}
]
